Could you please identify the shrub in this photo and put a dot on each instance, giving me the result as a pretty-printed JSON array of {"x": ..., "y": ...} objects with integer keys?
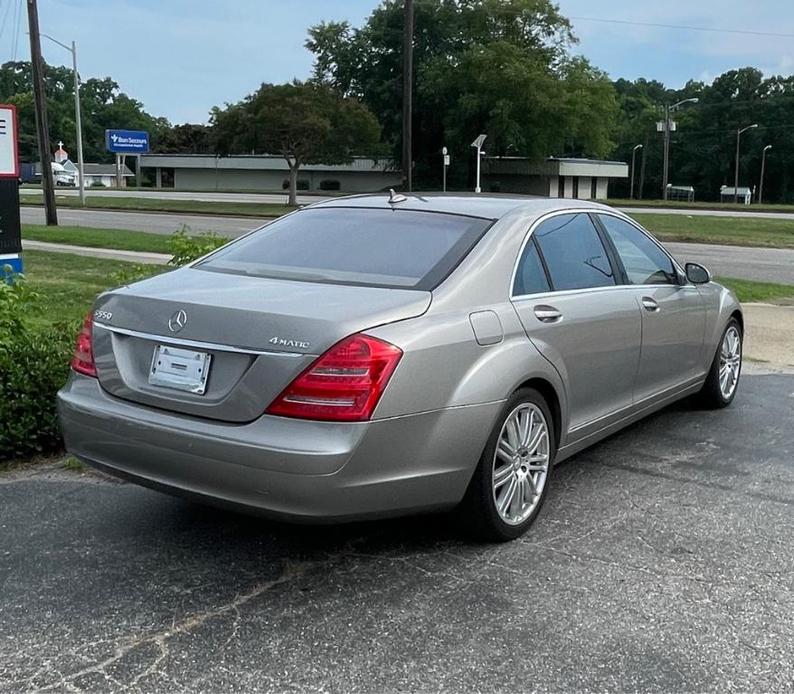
[
  {"x": 185, "y": 248},
  {"x": 302, "y": 184},
  {"x": 34, "y": 363},
  {"x": 330, "y": 184}
]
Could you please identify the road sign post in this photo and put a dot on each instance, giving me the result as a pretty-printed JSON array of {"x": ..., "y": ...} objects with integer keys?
[
  {"x": 123, "y": 142},
  {"x": 10, "y": 228}
]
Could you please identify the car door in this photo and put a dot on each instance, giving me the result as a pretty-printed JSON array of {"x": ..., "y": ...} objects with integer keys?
[
  {"x": 566, "y": 295},
  {"x": 673, "y": 311}
]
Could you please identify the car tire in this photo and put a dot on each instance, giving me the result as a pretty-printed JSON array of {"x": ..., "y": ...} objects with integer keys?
[
  {"x": 717, "y": 392},
  {"x": 519, "y": 456}
]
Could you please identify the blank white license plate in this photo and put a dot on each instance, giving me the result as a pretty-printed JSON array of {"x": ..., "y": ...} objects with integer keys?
[{"x": 180, "y": 369}]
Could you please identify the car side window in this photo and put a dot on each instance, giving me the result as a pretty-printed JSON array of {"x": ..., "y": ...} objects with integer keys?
[
  {"x": 573, "y": 252},
  {"x": 644, "y": 261},
  {"x": 530, "y": 275}
]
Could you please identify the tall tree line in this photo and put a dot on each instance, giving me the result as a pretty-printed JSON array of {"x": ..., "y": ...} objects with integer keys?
[
  {"x": 506, "y": 68},
  {"x": 703, "y": 147}
]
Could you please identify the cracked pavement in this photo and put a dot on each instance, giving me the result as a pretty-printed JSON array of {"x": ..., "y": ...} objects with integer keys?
[{"x": 662, "y": 561}]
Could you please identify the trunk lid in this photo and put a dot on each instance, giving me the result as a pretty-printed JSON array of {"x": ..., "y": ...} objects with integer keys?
[{"x": 259, "y": 334}]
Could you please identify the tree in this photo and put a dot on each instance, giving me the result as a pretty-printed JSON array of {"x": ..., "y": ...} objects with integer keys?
[
  {"x": 103, "y": 106},
  {"x": 703, "y": 146},
  {"x": 304, "y": 122},
  {"x": 500, "y": 67}
]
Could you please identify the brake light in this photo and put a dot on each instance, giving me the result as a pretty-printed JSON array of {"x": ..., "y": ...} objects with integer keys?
[
  {"x": 343, "y": 385},
  {"x": 83, "y": 359}
]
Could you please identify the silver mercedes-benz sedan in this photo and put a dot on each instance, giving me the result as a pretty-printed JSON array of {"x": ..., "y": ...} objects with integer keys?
[{"x": 385, "y": 354}]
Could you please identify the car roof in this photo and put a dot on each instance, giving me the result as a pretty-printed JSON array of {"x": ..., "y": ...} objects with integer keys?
[{"x": 487, "y": 206}]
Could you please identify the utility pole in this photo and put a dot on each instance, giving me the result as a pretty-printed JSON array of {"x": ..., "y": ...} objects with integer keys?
[
  {"x": 763, "y": 166},
  {"x": 40, "y": 103},
  {"x": 631, "y": 188},
  {"x": 666, "y": 128},
  {"x": 408, "y": 71}
]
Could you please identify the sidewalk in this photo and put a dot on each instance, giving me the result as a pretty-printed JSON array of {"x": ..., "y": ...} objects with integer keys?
[
  {"x": 107, "y": 253},
  {"x": 770, "y": 333}
]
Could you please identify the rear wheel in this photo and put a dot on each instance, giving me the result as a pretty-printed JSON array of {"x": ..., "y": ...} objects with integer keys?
[
  {"x": 512, "y": 477},
  {"x": 723, "y": 379}
]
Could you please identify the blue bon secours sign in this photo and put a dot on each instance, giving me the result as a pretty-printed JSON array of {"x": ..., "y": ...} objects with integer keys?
[{"x": 127, "y": 141}]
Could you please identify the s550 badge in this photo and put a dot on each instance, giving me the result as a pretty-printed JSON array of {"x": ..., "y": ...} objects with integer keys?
[
  {"x": 283, "y": 342},
  {"x": 102, "y": 315}
]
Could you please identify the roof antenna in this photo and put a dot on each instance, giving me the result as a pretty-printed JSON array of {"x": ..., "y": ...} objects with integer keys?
[{"x": 394, "y": 198}]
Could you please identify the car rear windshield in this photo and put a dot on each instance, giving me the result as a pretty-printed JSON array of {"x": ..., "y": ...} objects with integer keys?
[{"x": 404, "y": 249}]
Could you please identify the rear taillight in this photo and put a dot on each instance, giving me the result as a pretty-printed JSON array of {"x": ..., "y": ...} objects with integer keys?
[
  {"x": 83, "y": 359},
  {"x": 343, "y": 385}
]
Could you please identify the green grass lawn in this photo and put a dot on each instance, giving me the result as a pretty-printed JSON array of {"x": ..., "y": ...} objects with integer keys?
[
  {"x": 733, "y": 231},
  {"x": 120, "y": 239},
  {"x": 767, "y": 292},
  {"x": 68, "y": 284},
  {"x": 142, "y": 204}
]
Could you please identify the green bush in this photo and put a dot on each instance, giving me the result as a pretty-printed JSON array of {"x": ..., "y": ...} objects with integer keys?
[
  {"x": 185, "y": 248},
  {"x": 34, "y": 361},
  {"x": 34, "y": 364}
]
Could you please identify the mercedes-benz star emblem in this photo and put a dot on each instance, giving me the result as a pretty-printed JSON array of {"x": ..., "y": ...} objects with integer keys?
[{"x": 177, "y": 321}]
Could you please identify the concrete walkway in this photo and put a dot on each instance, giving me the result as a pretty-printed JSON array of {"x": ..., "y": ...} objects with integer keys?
[
  {"x": 107, "y": 253},
  {"x": 770, "y": 334}
]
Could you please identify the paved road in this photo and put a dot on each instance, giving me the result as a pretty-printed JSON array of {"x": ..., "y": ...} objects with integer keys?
[
  {"x": 152, "y": 222},
  {"x": 661, "y": 562},
  {"x": 207, "y": 196},
  {"x": 307, "y": 199},
  {"x": 762, "y": 264}
]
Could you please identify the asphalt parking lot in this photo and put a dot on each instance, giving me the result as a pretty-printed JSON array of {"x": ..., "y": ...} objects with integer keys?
[{"x": 662, "y": 562}]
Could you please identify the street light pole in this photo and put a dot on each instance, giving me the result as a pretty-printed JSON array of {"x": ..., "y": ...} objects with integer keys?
[
  {"x": 666, "y": 165},
  {"x": 477, "y": 144},
  {"x": 408, "y": 69},
  {"x": 445, "y": 164},
  {"x": 77, "y": 114},
  {"x": 633, "y": 152},
  {"x": 763, "y": 166},
  {"x": 736, "y": 170}
]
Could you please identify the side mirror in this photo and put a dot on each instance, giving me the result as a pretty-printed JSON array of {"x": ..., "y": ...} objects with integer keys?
[{"x": 697, "y": 274}]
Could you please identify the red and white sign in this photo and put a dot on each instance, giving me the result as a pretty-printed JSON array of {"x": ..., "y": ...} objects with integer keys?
[{"x": 9, "y": 144}]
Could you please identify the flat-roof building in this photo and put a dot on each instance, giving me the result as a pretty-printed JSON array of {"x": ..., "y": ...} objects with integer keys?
[
  {"x": 264, "y": 172},
  {"x": 556, "y": 177}
]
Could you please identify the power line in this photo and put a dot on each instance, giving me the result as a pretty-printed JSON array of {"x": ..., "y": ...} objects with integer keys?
[
  {"x": 683, "y": 27},
  {"x": 17, "y": 21},
  {"x": 5, "y": 18}
]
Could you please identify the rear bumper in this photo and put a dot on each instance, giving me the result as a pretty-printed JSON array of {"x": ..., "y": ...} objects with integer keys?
[{"x": 293, "y": 469}]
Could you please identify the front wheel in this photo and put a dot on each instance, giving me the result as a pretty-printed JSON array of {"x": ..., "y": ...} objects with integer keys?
[
  {"x": 512, "y": 478},
  {"x": 723, "y": 379}
]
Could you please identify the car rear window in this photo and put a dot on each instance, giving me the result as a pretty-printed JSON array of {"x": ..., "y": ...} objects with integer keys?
[{"x": 404, "y": 249}]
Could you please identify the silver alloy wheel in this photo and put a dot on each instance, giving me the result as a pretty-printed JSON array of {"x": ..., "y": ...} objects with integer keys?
[
  {"x": 730, "y": 361},
  {"x": 521, "y": 463}
]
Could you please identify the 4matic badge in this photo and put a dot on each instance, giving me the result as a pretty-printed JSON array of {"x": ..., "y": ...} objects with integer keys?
[{"x": 283, "y": 342}]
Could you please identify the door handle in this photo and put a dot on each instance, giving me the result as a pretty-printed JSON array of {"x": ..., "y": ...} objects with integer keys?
[
  {"x": 547, "y": 314},
  {"x": 649, "y": 304}
]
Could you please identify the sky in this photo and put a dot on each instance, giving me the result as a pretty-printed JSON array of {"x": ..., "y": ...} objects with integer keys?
[{"x": 181, "y": 57}]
